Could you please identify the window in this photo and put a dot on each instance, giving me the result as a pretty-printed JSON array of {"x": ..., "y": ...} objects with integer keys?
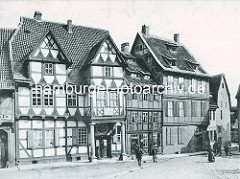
[
  {"x": 145, "y": 97},
  {"x": 181, "y": 109},
  {"x": 36, "y": 97},
  {"x": 181, "y": 82},
  {"x": 146, "y": 77},
  {"x": 170, "y": 108},
  {"x": 169, "y": 136},
  {"x": 134, "y": 96},
  {"x": 82, "y": 136},
  {"x": 214, "y": 115},
  {"x": 119, "y": 134},
  {"x": 193, "y": 85},
  {"x": 145, "y": 117},
  {"x": 203, "y": 109},
  {"x": 145, "y": 140},
  {"x": 221, "y": 114},
  {"x": 194, "y": 109},
  {"x": 134, "y": 117},
  {"x": 48, "y": 68},
  {"x": 155, "y": 116},
  {"x": 155, "y": 97},
  {"x": 101, "y": 99},
  {"x": 113, "y": 99},
  {"x": 222, "y": 85},
  {"x": 221, "y": 104},
  {"x": 48, "y": 97},
  {"x": 134, "y": 75},
  {"x": 49, "y": 138},
  {"x": 170, "y": 80},
  {"x": 72, "y": 99},
  {"x": 108, "y": 71},
  {"x": 226, "y": 106},
  {"x": 35, "y": 139},
  {"x": 180, "y": 135}
]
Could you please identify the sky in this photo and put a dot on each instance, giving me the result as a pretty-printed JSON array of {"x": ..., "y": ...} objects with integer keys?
[{"x": 209, "y": 29}]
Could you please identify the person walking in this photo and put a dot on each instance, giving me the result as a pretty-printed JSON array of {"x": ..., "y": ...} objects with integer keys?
[
  {"x": 215, "y": 146},
  {"x": 211, "y": 157},
  {"x": 154, "y": 154},
  {"x": 139, "y": 154}
]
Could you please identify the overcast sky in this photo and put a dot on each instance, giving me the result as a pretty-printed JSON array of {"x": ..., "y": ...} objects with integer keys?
[{"x": 210, "y": 30}]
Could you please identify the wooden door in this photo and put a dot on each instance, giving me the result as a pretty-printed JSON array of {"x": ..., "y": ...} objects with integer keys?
[{"x": 3, "y": 149}]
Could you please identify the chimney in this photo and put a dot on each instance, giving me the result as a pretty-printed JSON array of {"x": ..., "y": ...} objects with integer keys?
[
  {"x": 69, "y": 26},
  {"x": 37, "y": 15},
  {"x": 176, "y": 38},
  {"x": 145, "y": 30},
  {"x": 125, "y": 47}
]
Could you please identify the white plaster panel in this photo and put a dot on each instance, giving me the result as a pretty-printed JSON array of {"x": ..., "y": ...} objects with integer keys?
[
  {"x": 24, "y": 110},
  {"x": 23, "y": 91},
  {"x": 49, "y": 152},
  {"x": 71, "y": 123},
  {"x": 60, "y": 92},
  {"x": 49, "y": 79},
  {"x": 61, "y": 132},
  {"x": 37, "y": 110},
  {"x": 69, "y": 132},
  {"x": 108, "y": 82},
  {"x": 74, "y": 150},
  {"x": 97, "y": 71},
  {"x": 24, "y": 124},
  {"x": 97, "y": 81},
  {"x": 23, "y": 100},
  {"x": 61, "y": 79},
  {"x": 24, "y": 143},
  {"x": 97, "y": 57},
  {"x": 81, "y": 100},
  {"x": 72, "y": 111},
  {"x": 22, "y": 134},
  {"x": 36, "y": 66},
  {"x": 37, "y": 152},
  {"x": 82, "y": 149},
  {"x": 61, "y": 102},
  {"x": 61, "y": 151},
  {"x": 49, "y": 124},
  {"x": 62, "y": 142},
  {"x": 37, "y": 124},
  {"x": 118, "y": 82},
  {"x": 60, "y": 69},
  {"x": 113, "y": 57},
  {"x": 36, "y": 77},
  {"x": 118, "y": 72},
  {"x": 22, "y": 154},
  {"x": 48, "y": 111},
  {"x": 81, "y": 124},
  {"x": 61, "y": 111},
  {"x": 60, "y": 123},
  {"x": 81, "y": 110},
  {"x": 104, "y": 56}
]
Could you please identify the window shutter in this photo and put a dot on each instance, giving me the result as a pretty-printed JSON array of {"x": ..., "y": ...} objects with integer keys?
[
  {"x": 57, "y": 137},
  {"x": 166, "y": 108},
  {"x": 75, "y": 139},
  {"x": 30, "y": 139},
  {"x": 185, "y": 108},
  {"x": 175, "y": 109}
]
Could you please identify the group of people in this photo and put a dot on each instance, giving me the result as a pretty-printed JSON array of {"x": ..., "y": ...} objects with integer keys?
[
  {"x": 139, "y": 153},
  {"x": 217, "y": 150}
]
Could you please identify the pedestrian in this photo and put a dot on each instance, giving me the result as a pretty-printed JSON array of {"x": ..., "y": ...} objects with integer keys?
[
  {"x": 211, "y": 157},
  {"x": 215, "y": 146},
  {"x": 139, "y": 156},
  {"x": 219, "y": 149},
  {"x": 226, "y": 149},
  {"x": 154, "y": 154}
]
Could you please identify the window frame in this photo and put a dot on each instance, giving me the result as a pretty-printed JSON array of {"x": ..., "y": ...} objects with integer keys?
[
  {"x": 37, "y": 96},
  {"x": 47, "y": 69},
  {"x": 73, "y": 98},
  {"x": 108, "y": 71}
]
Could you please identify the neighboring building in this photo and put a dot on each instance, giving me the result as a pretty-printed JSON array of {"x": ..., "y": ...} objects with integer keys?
[
  {"x": 221, "y": 96},
  {"x": 185, "y": 115},
  {"x": 238, "y": 114},
  {"x": 144, "y": 111},
  {"x": 7, "y": 136},
  {"x": 234, "y": 124}
]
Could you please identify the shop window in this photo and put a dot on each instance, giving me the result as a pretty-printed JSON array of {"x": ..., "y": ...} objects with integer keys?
[{"x": 169, "y": 136}]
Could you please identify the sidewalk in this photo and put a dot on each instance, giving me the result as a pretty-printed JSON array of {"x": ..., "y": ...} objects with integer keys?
[{"x": 86, "y": 162}]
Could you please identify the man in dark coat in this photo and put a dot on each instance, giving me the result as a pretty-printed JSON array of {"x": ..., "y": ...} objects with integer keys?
[{"x": 139, "y": 154}]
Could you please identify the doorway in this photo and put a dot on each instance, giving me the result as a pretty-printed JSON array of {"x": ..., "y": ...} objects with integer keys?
[
  {"x": 3, "y": 148},
  {"x": 103, "y": 146}
]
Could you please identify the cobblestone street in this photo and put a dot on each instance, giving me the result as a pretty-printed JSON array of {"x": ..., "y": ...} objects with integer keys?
[{"x": 181, "y": 167}]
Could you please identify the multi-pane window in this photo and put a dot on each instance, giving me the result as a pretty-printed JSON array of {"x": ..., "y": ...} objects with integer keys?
[
  {"x": 134, "y": 96},
  {"x": 72, "y": 99},
  {"x": 36, "y": 97},
  {"x": 221, "y": 114},
  {"x": 194, "y": 109},
  {"x": 48, "y": 68},
  {"x": 170, "y": 108},
  {"x": 108, "y": 71},
  {"x": 155, "y": 97},
  {"x": 170, "y": 80},
  {"x": 82, "y": 136},
  {"x": 181, "y": 108},
  {"x": 180, "y": 135},
  {"x": 49, "y": 43},
  {"x": 169, "y": 136},
  {"x": 113, "y": 101},
  {"x": 101, "y": 99},
  {"x": 155, "y": 117},
  {"x": 145, "y": 117},
  {"x": 134, "y": 117},
  {"x": 49, "y": 138},
  {"x": 48, "y": 97},
  {"x": 145, "y": 140}
]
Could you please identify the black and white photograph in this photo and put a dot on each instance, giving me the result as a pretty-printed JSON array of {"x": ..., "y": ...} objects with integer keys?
[{"x": 131, "y": 89}]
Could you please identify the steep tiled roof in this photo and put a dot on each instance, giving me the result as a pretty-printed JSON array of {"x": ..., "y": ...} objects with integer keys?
[
  {"x": 5, "y": 65},
  {"x": 75, "y": 45},
  {"x": 183, "y": 59}
]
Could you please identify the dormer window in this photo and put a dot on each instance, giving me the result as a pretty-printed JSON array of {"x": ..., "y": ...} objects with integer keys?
[
  {"x": 133, "y": 75},
  {"x": 146, "y": 77},
  {"x": 108, "y": 72},
  {"x": 171, "y": 47},
  {"x": 192, "y": 65},
  {"x": 172, "y": 62},
  {"x": 48, "y": 68}
]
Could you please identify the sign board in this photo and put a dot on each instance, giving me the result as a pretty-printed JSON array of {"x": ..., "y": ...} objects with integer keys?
[{"x": 5, "y": 116}]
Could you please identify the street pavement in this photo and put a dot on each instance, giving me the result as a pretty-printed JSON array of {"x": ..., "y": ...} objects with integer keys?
[{"x": 179, "y": 166}]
